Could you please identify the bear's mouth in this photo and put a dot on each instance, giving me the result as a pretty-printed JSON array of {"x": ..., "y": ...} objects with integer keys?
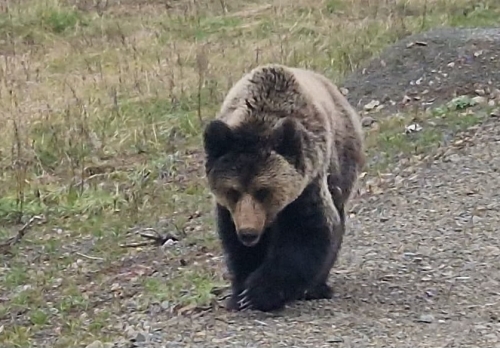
[{"x": 249, "y": 237}]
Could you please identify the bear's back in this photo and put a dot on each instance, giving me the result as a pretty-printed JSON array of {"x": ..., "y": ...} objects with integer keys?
[{"x": 277, "y": 91}]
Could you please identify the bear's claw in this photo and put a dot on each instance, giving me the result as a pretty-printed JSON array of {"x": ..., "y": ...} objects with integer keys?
[
  {"x": 244, "y": 302},
  {"x": 261, "y": 295}
]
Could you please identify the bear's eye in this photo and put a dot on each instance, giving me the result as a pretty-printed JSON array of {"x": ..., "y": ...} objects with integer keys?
[
  {"x": 262, "y": 194},
  {"x": 233, "y": 195}
]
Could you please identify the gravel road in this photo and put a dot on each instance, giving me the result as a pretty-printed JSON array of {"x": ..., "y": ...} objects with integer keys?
[{"x": 420, "y": 267}]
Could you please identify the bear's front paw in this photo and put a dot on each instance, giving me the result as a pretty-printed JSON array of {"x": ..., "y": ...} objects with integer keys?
[{"x": 262, "y": 295}]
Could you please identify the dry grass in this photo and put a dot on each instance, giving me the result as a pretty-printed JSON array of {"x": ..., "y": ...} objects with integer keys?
[{"x": 101, "y": 105}]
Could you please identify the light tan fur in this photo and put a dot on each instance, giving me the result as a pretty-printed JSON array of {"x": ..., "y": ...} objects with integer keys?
[
  {"x": 249, "y": 214},
  {"x": 320, "y": 110}
]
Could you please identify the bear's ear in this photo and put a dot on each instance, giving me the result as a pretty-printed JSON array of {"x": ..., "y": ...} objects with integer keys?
[
  {"x": 217, "y": 139},
  {"x": 287, "y": 139}
]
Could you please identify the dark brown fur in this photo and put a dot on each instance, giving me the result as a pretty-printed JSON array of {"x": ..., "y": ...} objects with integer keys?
[{"x": 282, "y": 160}]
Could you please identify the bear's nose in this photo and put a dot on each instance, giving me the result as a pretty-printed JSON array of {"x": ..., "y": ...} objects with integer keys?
[{"x": 249, "y": 237}]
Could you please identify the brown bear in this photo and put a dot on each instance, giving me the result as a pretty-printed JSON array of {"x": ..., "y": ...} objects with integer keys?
[{"x": 282, "y": 158}]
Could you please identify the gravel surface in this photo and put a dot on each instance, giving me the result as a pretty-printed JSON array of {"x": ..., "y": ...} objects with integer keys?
[
  {"x": 420, "y": 267},
  {"x": 427, "y": 69}
]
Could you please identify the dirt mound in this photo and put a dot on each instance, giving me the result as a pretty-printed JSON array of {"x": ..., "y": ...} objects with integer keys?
[{"x": 427, "y": 69}]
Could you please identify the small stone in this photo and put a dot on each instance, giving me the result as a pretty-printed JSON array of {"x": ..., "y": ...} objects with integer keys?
[
  {"x": 480, "y": 100},
  {"x": 169, "y": 242},
  {"x": 426, "y": 318},
  {"x": 495, "y": 113},
  {"x": 367, "y": 121},
  {"x": 372, "y": 105},
  {"x": 430, "y": 293},
  {"x": 165, "y": 305},
  {"x": 476, "y": 219},
  {"x": 130, "y": 332},
  {"x": 95, "y": 344},
  {"x": 406, "y": 99},
  {"x": 415, "y": 127},
  {"x": 334, "y": 340},
  {"x": 140, "y": 337}
]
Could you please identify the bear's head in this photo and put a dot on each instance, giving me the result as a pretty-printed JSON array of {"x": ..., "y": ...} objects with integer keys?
[{"x": 255, "y": 172}]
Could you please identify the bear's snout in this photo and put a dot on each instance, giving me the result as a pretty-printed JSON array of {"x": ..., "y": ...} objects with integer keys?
[{"x": 249, "y": 236}]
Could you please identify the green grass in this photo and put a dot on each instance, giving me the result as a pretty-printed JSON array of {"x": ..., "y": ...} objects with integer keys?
[{"x": 101, "y": 110}]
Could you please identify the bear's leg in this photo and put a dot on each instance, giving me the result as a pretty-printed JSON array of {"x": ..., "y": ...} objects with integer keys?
[
  {"x": 241, "y": 260},
  {"x": 303, "y": 247},
  {"x": 321, "y": 290}
]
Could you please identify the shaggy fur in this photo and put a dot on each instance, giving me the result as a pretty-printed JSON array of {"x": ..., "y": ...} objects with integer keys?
[{"x": 282, "y": 159}]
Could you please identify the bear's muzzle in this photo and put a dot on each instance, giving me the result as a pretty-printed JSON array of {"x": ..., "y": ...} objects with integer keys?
[{"x": 249, "y": 237}]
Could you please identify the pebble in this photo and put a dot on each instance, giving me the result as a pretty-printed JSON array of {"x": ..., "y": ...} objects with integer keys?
[
  {"x": 426, "y": 318},
  {"x": 95, "y": 344},
  {"x": 140, "y": 338},
  {"x": 335, "y": 340},
  {"x": 372, "y": 105},
  {"x": 367, "y": 121},
  {"x": 480, "y": 100},
  {"x": 476, "y": 219},
  {"x": 454, "y": 158}
]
